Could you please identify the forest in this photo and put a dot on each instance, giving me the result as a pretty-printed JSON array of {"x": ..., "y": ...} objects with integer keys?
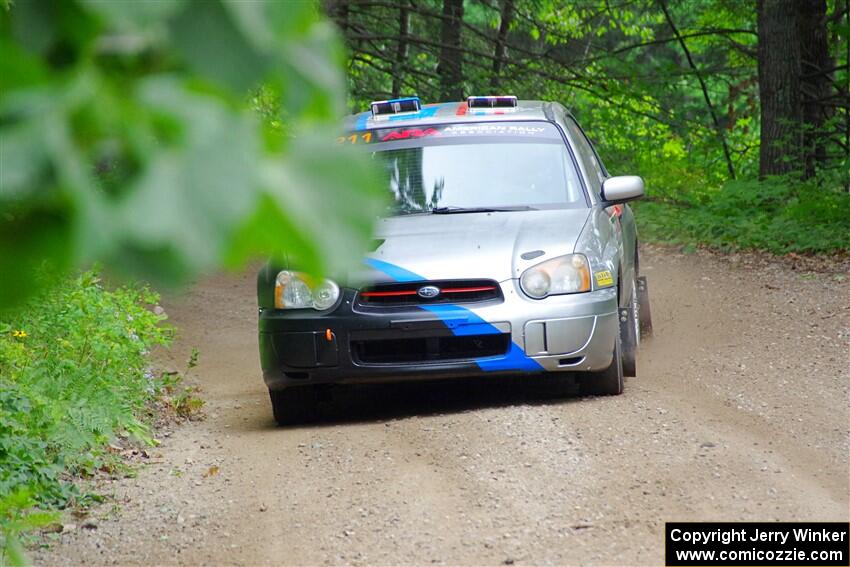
[{"x": 735, "y": 111}]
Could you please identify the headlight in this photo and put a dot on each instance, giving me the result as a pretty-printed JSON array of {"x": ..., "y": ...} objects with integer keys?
[
  {"x": 565, "y": 274},
  {"x": 325, "y": 295},
  {"x": 294, "y": 290}
]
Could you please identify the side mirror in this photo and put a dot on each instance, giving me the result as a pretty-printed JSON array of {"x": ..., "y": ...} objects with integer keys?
[{"x": 622, "y": 188}]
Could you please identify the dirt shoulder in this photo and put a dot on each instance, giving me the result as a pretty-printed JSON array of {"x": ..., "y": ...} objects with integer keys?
[{"x": 740, "y": 412}]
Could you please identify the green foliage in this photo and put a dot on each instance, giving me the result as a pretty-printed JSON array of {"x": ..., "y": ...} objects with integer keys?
[
  {"x": 128, "y": 135},
  {"x": 780, "y": 215},
  {"x": 73, "y": 375},
  {"x": 17, "y": 517},
  {"x": 617, "y": 67}
]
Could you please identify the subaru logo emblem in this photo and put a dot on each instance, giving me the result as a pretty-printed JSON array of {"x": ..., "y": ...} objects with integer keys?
[{"x": 428, "y": 291}]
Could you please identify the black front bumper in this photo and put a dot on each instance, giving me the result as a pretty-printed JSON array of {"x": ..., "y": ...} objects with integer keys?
[{"x": 346, "y": 345}]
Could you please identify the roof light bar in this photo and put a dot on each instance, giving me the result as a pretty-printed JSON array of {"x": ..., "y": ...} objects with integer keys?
[
  {"x": 396, "y": 106},
  {"x": 503, "y": 101}
]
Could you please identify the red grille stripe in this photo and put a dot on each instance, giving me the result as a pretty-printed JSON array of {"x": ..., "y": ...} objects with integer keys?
[
  {"x": 388, "y": 293},
  {"x": 467, "y": 289},
  {"x": 409, "y": 292}
]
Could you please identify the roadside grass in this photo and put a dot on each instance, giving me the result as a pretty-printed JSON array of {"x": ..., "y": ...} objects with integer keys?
[
  {"x": 778, "y": 215},
  {"x": 75, "y": 381}
]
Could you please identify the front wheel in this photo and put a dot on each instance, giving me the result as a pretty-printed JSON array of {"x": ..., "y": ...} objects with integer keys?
[
  {"x": 294, "y": 405},
  {"x": 608, "y": 382}
]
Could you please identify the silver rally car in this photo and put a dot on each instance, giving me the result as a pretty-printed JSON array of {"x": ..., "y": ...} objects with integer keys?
[{"x": 509, "y": 250}]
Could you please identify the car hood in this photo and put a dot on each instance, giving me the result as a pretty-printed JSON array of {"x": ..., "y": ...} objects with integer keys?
[{"x": 471, "y": 245}]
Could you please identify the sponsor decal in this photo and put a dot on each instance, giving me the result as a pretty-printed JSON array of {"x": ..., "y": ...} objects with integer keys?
[
  {"x": 409, "y": 133},
  {"x": 495, "y": 129},
  {"x": 604, "y": 278},
  {"x": 355, "y": 138},
  {"x": 499, "y": 129}
]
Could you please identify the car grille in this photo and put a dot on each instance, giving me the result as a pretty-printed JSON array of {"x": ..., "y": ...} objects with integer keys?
[
  {"x": 429, "y": 349},
  {"x": 451, "y": 291}
]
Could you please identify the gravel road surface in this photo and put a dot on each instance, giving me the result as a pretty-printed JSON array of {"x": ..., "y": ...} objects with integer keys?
[{"x": 740, "y": 411}]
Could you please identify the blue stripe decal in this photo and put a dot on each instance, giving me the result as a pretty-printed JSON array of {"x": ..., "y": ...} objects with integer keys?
[
  {"x": 514, "y": 360},
  {"x": 463, "y": 322},
  {"x": 361, "y": 120},
  {"x": 394, "y": 272},
  {"x": 424, "y": 113}
]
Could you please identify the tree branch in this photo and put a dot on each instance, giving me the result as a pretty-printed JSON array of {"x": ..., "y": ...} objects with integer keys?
[{"x": 730, "y": 166}]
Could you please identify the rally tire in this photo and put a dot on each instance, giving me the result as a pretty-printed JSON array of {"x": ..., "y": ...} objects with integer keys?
[
  {"x": 294, "y": 405},
  {"x": 608, "y": 382}
]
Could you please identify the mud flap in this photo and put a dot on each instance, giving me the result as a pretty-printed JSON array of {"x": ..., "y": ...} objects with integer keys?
[
  {"x": 628, "y": 342},
  {"x": 645, "y": 313}
]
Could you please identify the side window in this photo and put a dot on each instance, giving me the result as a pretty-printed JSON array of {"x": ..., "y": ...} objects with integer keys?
[
  {"x": 596, "y": 159},
  {"x": 587, "y": 155}
]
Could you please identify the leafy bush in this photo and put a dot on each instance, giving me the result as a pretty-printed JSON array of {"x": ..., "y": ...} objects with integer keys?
[
  {"x": 127, "y": 137},
  {"x": 73, "y": 375},
  {"x": 779, "y": 215}
]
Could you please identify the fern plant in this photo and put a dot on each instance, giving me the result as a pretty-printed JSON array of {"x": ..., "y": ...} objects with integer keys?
[{"x": 73, "y": 375}]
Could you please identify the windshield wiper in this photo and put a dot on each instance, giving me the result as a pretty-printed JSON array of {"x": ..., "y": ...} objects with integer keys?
[{"x": 455, "y": 210}]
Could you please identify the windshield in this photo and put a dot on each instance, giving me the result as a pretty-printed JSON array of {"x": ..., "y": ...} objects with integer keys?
[{"x": 476, "y": 167}]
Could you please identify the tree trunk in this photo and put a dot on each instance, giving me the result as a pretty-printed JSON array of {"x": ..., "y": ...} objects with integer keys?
[
  {"x": 401, "y": 49},
  {"x": 337, "y": 10},
  {"x": 450, "y": 66},
  {"x": 815, "y": 80},
  {"x": 500, "y": 52},
  {"x": 779, "y": 66}
]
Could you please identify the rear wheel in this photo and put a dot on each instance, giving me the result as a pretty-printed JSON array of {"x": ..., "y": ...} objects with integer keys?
[
  {"x": 608, "y": 382},
  {"x": 294, "y": 405}
]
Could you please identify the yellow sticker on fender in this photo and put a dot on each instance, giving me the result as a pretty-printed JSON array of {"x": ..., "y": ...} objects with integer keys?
[{"x": 604, "y": 278}]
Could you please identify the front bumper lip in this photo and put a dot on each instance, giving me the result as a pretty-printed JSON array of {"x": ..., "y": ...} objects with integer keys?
[{"x": 296, "y": 346}]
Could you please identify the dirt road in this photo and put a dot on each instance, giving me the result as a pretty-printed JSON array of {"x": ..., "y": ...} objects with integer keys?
[{"x": 740, "y": 412}]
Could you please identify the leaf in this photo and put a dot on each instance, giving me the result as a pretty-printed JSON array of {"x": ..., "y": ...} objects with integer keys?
[
  {"x": 18, "y": 68},
  {"x": 312, "y": 87},
  {"x": 148, "y": 159},
  {"x": 24, "y": 161},
  {"x": 35, "y": 25},
  {"x": 14, "y": 552},
  {"x": 314, "y": 186},
  {"x": 214, "y": 47},
  {"x": 133, "y": 16},
  {"x": 191, "y": 197},
  {"x": 33, "y": 240}
]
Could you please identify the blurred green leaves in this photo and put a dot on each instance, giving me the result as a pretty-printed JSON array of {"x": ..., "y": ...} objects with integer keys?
[{"x": 126, "y": 136}]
